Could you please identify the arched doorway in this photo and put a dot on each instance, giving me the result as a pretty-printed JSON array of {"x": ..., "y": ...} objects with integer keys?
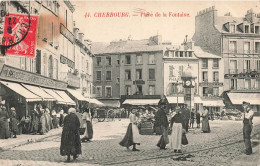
[{"x": 50, "y": 67}]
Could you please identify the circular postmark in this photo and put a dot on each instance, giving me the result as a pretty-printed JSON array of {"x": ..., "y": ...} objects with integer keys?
[{"x": 15, "y": 28}]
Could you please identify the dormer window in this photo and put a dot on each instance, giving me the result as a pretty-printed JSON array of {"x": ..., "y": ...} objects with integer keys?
[
  {"x": 232, "y": 28},
  {"x": 246, "y": 29}
]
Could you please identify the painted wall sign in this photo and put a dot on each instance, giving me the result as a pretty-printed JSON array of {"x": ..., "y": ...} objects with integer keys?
[
  {"x": 66, "y": 33},
  {"x": 18, "y": 75},
  {"x": 65, "y": 60}
]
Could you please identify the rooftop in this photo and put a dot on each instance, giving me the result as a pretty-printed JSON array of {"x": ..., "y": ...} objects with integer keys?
[
  {"x": 130, "y": 46},
  {"x": 203, "y": 54}
]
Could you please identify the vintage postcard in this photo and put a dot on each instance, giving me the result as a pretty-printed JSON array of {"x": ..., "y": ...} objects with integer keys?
[{"x": 129, "y": 83}]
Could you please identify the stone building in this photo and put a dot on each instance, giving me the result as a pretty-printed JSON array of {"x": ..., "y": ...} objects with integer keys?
[
  {"x": 237, "y": 41},
  {"x": 129, "y": 69},
  {"x": 46, "y": 77}
]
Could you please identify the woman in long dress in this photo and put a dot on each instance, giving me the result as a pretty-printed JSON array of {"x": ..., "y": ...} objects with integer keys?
[
  {"x": 205, "y": 120},
  {"x": 4, "y": 127},
  {"x": 132, "y": 136},
  {"x": 88, "y": 134},
  {"x": 14, "y": 122},
  {"x": 70, "y": 138},
  {"x": 35, "y": 119},
  {"x": 176, "y": 135}
]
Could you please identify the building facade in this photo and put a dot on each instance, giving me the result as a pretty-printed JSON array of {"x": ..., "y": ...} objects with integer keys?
[
  {"x": 129, "y": 69},
  {"x": 236, "y": 41},
  {"x": 206, "y": 74},
  {"x": 46, "y": 76}
]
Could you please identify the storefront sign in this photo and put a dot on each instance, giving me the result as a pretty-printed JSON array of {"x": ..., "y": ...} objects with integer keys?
[
  {"x": 242, "y": 75},
  {"x": 211, "y": 84},
  {"x": 139, "y": 82},
  {"x": 66, "y": 33},
  {"x": 73, "y": 80},
  {"x": 65, "y": 60},
  {"x": 18, "y": 75}
]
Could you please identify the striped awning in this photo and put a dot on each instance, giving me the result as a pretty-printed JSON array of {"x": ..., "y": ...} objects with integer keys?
[
  {"x": 175, "y": 100},
  {"x": 238, "y": 98},
  {"x": 213, "y": 103},
  {"x": 19, "y": 89},
  {"x": 40, "y": 92},
  {"x": 141, "y": 101}
]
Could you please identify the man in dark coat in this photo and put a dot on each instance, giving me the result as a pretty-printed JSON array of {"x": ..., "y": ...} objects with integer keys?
[
  {"x": 162, "y": 121},
  {"x": 70, "y": 138},
  {"x": 185, "y": 116},
  {"x": 248, "y": 126}
]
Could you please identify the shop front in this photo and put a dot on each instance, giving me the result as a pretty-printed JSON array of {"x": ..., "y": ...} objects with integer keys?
[
  {"x": 22, "y": 90},
  {"x": 237, "y": 99}
]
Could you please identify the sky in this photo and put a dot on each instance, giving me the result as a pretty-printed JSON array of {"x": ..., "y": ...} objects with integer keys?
[{"x": 174, "y": 29}]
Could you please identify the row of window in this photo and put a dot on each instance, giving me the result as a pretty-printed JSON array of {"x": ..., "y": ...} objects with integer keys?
[
  {"x": 210, "y": 91},
  {"x": 128, "y": 90},
  {"x": 139, "y": 75},
  {"x": 178, "y": 54},
  {"x": 247, "y": 49},
  {"x": 205, "y": 76},
  {"x": 247, "y": 84},
  {"x": 233, "y": 66},
  {"x": 139, "y": 60},
  {"x": 205, "y": 63},
  {"x": 254, "y": 29}
]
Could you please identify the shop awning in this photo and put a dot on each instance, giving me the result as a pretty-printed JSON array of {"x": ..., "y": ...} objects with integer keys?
[
  {"x": 95, "y": 101},
  {"x": 238, "y": 98},
  {"x": 142, "y": 101},
  {"x": 77, "y": 95},
  {"x": 65, "y": 97},
  {"x": 197, "y": 99},
  {"x": 213, "y": 103},
  {"x": 111, "y": 103},
  {"x": 40, "y": 92},
  {"x": 173, "y": 99},
  {"x": 59, "y": 99},
  {"x": 29, "y": 96}
]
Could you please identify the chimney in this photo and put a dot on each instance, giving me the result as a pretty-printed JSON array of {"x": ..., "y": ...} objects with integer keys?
[
  {"x": 251, "y": 16},
  {"x": 228, "y": 14},
  {"x": 155, "y": 40},
  {"x": 88, "y": 43},
  {"x": 81, "y": 37},
  {"x": 75, "y": 32}
]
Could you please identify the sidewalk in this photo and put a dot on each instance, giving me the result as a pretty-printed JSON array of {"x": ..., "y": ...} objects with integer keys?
[{"x": 26, "y": 138}]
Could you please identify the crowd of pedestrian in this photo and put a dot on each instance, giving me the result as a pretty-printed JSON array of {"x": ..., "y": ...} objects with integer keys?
[
  {"x": 39, "y": 120},
  {"x": 173, "y": 133}
]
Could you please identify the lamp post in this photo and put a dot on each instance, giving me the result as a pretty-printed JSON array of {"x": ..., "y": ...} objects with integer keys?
[{"x": 189, "y": 84}]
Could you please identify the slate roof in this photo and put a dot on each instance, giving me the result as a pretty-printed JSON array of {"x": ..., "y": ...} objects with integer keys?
[
  {"x": 203, "y": 54},
  {"x": 126, "y": 46}
]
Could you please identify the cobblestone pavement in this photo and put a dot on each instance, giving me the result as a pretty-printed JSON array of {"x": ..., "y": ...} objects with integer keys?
[{"x": 105, "y": 150}]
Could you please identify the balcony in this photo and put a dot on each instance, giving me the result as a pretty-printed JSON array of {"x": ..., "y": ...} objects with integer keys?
[
  {"x": 247, "y": 70},
  {"x": 233, "y": 71}
]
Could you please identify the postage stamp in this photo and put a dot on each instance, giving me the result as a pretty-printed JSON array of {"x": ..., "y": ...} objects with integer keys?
[{"x": 20, "y": 34}]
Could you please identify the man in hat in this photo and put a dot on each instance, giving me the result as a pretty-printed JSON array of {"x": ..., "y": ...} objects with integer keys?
[
  {"x": 162, "y": 121},
  {"x": 248, "y": 126}
]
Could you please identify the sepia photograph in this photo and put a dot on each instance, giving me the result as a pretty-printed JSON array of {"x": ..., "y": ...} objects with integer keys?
[{"x": 129, "y": 83}]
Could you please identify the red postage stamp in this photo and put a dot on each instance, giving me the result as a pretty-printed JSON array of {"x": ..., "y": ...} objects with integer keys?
[{"x": 20, "y": 35}]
